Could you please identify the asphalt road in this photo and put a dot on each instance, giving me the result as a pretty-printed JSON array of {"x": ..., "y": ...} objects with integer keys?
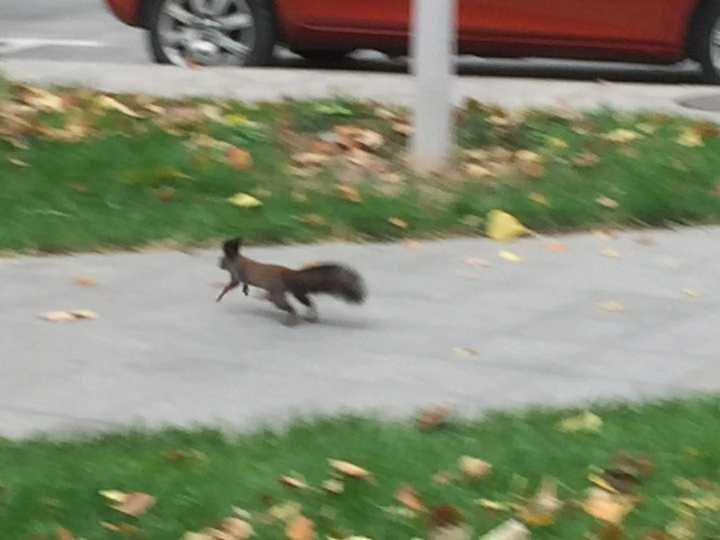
[{"x": 84, "y": 30}]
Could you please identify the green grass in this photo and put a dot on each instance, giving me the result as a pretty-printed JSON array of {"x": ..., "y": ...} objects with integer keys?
[
  {"x": 45, "y": 484},
  {"x": 132, "y": 182}
]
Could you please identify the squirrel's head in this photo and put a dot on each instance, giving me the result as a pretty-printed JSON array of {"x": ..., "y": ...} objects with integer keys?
[{"x": 231, "y": 251}]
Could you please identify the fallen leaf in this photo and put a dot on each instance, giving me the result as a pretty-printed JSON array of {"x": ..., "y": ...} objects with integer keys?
[
  {"x": 313, "y": 220},
  {"x": 68, "y": 316},
  {"x": 495, "y": 506},
  {"x": 690, "y": 138},
  {"x": 408, "y": 497},
  {"x": 586, "y": 159},
  {"x": 403, "y": 129},
  {"x": 465, "y": 351},
  {"x": 453, "y": 532},
  {"x": 646, "y": 128},
  {"x": 445, "y": 516},
  {"x": 336, "y": 487},
  {"x": 622, "y": 136},
  {"x": 349, "y": 193},
  {"x": 542, "y": 509},
  {"x": 607, "y": 202},
  {"x": 556, "y": 142},
  {"x": 301, "y": 528},
  {"x": 286, "y": 512},
  {"x": 64, "y": 534},
  {"x": 692, "y": 293},
  {"x": 532, "y": 169},
  {"x": 477, "y": 262},
  {"x": 120, "y": 528},
  {"x": 586, "y": 421},
  {"x": 18, "y": 162},
  {"x": 106, "y": 102},
  {"x": 502, "y": 226},
  {"x": 85, "y": 281},
  {"x": 510, "y": 257},
  {"x": 443, "y": 478},
  {"x": 114, "y": 495},
  {"x": 197, "y": 536},
  {"x": 608, "y": 507},
  {"x": 135, "y": 504},
  {"x": 611, "y": 531},
  {"x": 476, "y": 170},
  {"x": 510, "y": 530},
  {"x": 433, "y": 418},
  {"x": 610, "y": 253},
  {"x": 239, "y": 159},
  {"x": 385, "y": 114},
  {"x": 397, "y": 222},
  {"x": 310, "y": 159},
  {"x": 474, "y": 468},
  {"x": 243, "y": 200},
  {"x": 349, "y": 469},
  {"x": 293, "y": 482},
  {"x": 84, "y": 314},
  {"x": 528, "y": 156},
  {"x": 538, "y": 198},
  {"x": 557, "y": 247},
  {"x": 237, "y": 529},
  {"x": 41, "y": 99},
  {"x": 79, "y": 188},
  {"x": 370, "y": 139},
  {"x": 178, "y": 456},
  {"x": 612, "y": 306}
]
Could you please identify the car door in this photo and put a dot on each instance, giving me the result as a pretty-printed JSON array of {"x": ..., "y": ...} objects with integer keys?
[
  {"x": 576, "y": 22},
  {"x": 366, "y": 15}
]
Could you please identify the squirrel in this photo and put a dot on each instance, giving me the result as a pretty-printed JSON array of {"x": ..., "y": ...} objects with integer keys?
[{"x": 333, "y": 279}]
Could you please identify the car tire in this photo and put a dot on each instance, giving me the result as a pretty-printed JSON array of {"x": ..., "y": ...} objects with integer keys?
[
  {"x": 323, "y": 55},
  {"x": 261, "y": 53},
  {"x": 707, "y": 43}
]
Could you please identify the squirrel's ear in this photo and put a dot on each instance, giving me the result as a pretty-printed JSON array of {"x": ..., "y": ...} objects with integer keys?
[{"x": 231, "y": 248}]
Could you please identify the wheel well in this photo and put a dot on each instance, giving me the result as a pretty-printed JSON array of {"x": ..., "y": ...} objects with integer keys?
[
  {"x": 694, "y": 26},
  {"x": 144, "y": 14}
]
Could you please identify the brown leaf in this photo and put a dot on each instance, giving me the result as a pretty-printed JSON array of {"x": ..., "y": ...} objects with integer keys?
[
  {"x": 64, "y": 534},
  {"x": 85, "y": 281},
  {"x": 608, "y": 507},
  {"x": 79, "y": 188},
  {"x": 41, "y": 99},
  {"x": 445, "y": 516},
  {"x": 369, "y": 139},
  {"x": 477, "y": 171},
  {"x": 106, "y": 102},
  {"x": 433, "y": 418},
  {"x": 532, "y": 169},
  {"x": 408, "y": 497},
  {"x": 349, "y": 193},
  {"x": 301, "y": 528},
  {"x": 350, "y": 469},
  {"x": 474, "y": 468},
  {"x": 120, "y": 528},
  {"x": 135, "y": 504},
  {"x": 57, "y": 316},
  {"x": 239, "y": 159},
  {"x": 457, "y": 532},
  {"x": 403, "y": 128},
  {"x": 293, "y": 482},
  {"x": 611, "y": 531},
  {"x": 166, "y": 194},
  {"x": 179, "y": 456}
]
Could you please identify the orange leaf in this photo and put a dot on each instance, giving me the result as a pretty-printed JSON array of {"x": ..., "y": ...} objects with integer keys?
[
  {"x": 239, "y": 159},
  {"x": 433, "y": 418},
  {"x": 301, "y": 528},
  {"x": 350, "y": 469},
  {"x": 135, "y": 504},
  {"x": 408, "y": 497}
]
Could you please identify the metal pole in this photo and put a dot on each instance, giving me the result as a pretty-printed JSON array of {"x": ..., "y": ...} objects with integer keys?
[{"x": 433, "y": 45}]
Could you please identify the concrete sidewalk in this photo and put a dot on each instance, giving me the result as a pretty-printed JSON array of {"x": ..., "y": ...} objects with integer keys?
[
  {"x": 274, "y": 84},
  {"x": 436, "y": 330}
]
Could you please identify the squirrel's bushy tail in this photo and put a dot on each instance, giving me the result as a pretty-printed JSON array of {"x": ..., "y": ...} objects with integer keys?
[{"x": 333, "y": 279}]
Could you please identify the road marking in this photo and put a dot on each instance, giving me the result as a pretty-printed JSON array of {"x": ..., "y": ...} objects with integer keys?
[{"x": 13, "y": 45}]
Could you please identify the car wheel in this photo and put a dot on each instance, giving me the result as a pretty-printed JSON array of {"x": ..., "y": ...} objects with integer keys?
[
  {"x": 211, "y": 32},
  {"x": 708, "y": 43}
]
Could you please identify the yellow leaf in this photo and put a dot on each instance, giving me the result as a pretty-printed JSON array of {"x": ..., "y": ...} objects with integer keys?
[
  {"x": 600, "y": 482},
  {"x": 586, "y": 421},
  {"x": 610, "y": 253},
  {"x": 510, "y": 257},
  {"x": 503, "y": 226},
  {"x": 477, "y": 171},
  {"x": 39, "y": 98},
  {"x": 622, "y": 136},
  {"x": 18, "y": 162},
  {"x": 528, "y": 156},
  {"x": 114, "y": 495},
  {"x": 397, "y": 222},
  {"x": 556, "y": 142},
  {"x": 236, "y": 120},
  {"x": 648, "y": 129},
  {"x": 612, "y": 306},
  {"x": 690, "y": 138},
  {"x": 539, "y": 198},
  {"x": 243, "y": 200},
  {"x": 542, "y": 508},
  {"x": 494, "y": 505},
  {"x": 474, "y": 468},
  {"x": 106, "y": 102},
  {"x": 692, "y": 293},
  {"x": 301, "y": 528},
  {"x": 336, "y": 487}
]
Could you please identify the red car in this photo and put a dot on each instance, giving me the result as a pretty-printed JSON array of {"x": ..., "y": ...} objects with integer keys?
[{"x": 245, "y": 32}]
